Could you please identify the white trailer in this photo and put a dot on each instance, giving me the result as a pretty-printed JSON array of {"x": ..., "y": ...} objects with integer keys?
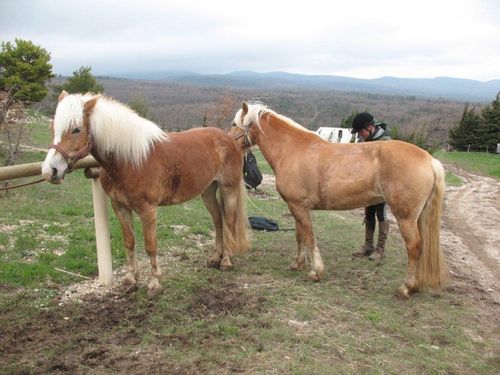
[{"x": 336, "y": 135}]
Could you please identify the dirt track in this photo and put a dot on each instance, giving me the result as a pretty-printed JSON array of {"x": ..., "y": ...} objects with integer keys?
[{"x": 471, "y": 232}]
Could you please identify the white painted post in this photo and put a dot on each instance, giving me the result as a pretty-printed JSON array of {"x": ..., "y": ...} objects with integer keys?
[{"x": 102, "y": 237}]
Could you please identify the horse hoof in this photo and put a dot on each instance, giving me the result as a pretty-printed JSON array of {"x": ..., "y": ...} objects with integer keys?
[
  {"x": 225, "y": 266},
  {"x": 154, "y": 288},
  {"x": 297, "y": 266},
  {"x": 129, "y": 282},
  {"x": 314, "y": 276},
  {"x": 402, "y": 292}
]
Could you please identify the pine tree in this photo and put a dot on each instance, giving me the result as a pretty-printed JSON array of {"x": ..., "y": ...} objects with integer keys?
[
  {"x": 347, "y": 121},
  {"x": 139, "y": 105},
  {"x": 26, "y": 68},
  {"x": 491, "y": 125},
  {"x": 82, "y": 82},
  {"x": 468, "y": 134},
  {"x": 24, "y": 72}
]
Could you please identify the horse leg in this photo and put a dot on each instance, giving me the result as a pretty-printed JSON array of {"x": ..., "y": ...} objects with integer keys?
[
  {"x": 210, "y": 200},
  {"x": 124, "y": 215},
  {"x": 229, "y": 196},
  {"x": 411, "y": 235},
  {"x": 305, "y": 239},
  {"x": 148, "y": 220}
]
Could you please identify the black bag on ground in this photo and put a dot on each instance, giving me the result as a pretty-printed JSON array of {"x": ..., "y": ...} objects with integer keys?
[
  {"x": 261, "y": 223},
  {"x": 251, "y": 173}
]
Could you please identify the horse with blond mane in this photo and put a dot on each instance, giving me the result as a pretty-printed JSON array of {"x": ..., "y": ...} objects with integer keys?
[
  {"x": 313, "y": 174},
  {"x": 142, "y": 168}
]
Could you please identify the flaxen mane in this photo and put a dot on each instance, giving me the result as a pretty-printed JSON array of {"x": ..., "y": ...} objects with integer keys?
[
  {"x": 115, "y": 128},
  {"x": 255, "y": 113}
]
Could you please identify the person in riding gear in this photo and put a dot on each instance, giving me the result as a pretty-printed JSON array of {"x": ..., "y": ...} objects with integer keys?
[{"x": 368, "y": 130}]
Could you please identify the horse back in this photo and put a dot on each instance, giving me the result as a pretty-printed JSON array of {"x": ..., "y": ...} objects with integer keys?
[
  {"x": 180, "y": 168},
  {"x": 347, "y": 176}
]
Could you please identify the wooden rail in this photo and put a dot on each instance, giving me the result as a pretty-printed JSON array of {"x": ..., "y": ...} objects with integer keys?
[{"x": 103, "y": 242}]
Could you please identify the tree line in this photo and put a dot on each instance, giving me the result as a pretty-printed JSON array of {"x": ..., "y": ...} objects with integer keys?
[{"x": 478, "y": 130}]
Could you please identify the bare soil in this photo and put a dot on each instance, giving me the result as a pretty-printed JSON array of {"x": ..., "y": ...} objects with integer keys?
[
  {"x": 471, "y": 233},
  {"x": 75, "y": 331}
]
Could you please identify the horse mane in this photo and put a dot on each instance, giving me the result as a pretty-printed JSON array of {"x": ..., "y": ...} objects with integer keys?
[
  {"x": 115, "y": 128},
  {"x": 257, "y": 110}
]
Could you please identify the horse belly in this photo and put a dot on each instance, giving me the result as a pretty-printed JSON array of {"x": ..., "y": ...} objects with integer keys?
[
  {"x": 348, "y": 203},
  {"x": 348, "y": 193}
]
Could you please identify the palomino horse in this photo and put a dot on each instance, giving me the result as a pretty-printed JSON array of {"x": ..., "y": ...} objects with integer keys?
[
  {"x": 313, "y": 174},
  {"x": 143, "y": 167}
]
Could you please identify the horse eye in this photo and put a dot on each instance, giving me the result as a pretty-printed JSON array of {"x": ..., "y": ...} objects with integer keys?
[
  {"x": 233, "y": 124},
  {"x": 76, "y": 131}
]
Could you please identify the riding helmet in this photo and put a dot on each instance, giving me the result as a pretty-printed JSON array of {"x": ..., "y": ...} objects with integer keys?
[{"x": 361, "y": 121}]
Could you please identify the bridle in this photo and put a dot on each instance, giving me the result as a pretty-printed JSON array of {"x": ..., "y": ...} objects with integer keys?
[
  {"x": 244, "y": 135},
  {"x": 71, "y": 160}
]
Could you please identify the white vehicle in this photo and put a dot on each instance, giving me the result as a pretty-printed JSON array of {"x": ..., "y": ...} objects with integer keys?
[{"x": 336, "y": 135}]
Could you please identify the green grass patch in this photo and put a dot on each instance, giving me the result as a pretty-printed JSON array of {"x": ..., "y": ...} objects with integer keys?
[
  {"x": 482, "y": 162},
  {"x": 452, "y": 179},
  {"x": 263, "y": 165}
]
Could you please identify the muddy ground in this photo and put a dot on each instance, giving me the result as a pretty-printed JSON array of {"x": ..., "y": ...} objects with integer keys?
[{"x": 470, "y": 240}]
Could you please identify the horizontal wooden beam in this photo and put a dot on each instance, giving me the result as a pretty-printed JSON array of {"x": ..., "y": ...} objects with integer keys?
[{"x": 35, "y": 169}]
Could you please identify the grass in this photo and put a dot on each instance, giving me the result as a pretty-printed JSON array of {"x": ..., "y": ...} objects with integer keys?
[
  {"x": 480, "y": 162},
  {"x": 452, "y": 179},
  {"x": 259, "y": 318}
]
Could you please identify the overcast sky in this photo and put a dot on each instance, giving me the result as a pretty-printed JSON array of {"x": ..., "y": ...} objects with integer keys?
[{"x": 355, "y": 38}]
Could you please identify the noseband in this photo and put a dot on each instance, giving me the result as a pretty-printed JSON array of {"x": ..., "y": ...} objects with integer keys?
[
  {"x": 71, "y": 160},
  {"x": 246, "y": 138}
]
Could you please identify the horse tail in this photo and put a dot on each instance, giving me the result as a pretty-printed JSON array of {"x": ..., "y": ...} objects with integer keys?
[
  {"x": 236, "y": 237},
  {"x": 431, "y": 268}
]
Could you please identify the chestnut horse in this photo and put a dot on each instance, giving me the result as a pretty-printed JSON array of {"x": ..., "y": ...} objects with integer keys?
[
  {"x": 142, "y": 168},
  {"x": 313, "y": 174}
]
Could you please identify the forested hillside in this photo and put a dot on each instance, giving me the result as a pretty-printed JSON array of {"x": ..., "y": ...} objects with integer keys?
[{"x": 176, "y": 107}]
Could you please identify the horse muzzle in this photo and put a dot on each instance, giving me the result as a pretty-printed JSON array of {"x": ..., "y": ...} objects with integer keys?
[
  {"x": 54, "y": 177},
  {"x": 54, "y": 172}
]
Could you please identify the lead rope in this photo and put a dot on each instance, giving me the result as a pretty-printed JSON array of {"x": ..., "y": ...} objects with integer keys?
[{"x": 9, "y": 187}]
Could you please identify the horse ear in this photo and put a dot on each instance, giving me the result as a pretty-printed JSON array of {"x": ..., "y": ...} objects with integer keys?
[
  {"x": 62, "y": 95},
  {"x": 245, "y": 108},
  {"x": 89, "y": 105}
]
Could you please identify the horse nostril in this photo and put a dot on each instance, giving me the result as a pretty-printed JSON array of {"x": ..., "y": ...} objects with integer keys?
[{"x": 54, "y": 173}]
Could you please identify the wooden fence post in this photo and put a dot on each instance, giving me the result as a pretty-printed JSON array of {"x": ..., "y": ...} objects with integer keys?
[{"x": 103, "y": 241}]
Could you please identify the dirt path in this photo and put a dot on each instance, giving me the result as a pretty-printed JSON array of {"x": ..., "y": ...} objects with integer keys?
[{"x": 471, "y": 232}]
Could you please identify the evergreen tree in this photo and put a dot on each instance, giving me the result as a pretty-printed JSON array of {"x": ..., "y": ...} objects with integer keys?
[
  {"x": 25, "y": 68},
  {"x": 468, "y": 134},
  {"x": 82, "y": 82},
  {"x": 139, "y": 105},
  {"x": 491, "y": 125},
  {"x": 347, "y": 121}
]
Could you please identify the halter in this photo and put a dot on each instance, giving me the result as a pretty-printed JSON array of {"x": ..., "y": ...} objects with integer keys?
[
  {"x": 246, "y": 138},
  {"x": 71, "y": 160}
]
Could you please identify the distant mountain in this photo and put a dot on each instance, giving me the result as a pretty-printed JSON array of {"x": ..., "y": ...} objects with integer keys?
[
  {"x": 156, "y": 75},
  {"x": 441, "y": 87}
]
